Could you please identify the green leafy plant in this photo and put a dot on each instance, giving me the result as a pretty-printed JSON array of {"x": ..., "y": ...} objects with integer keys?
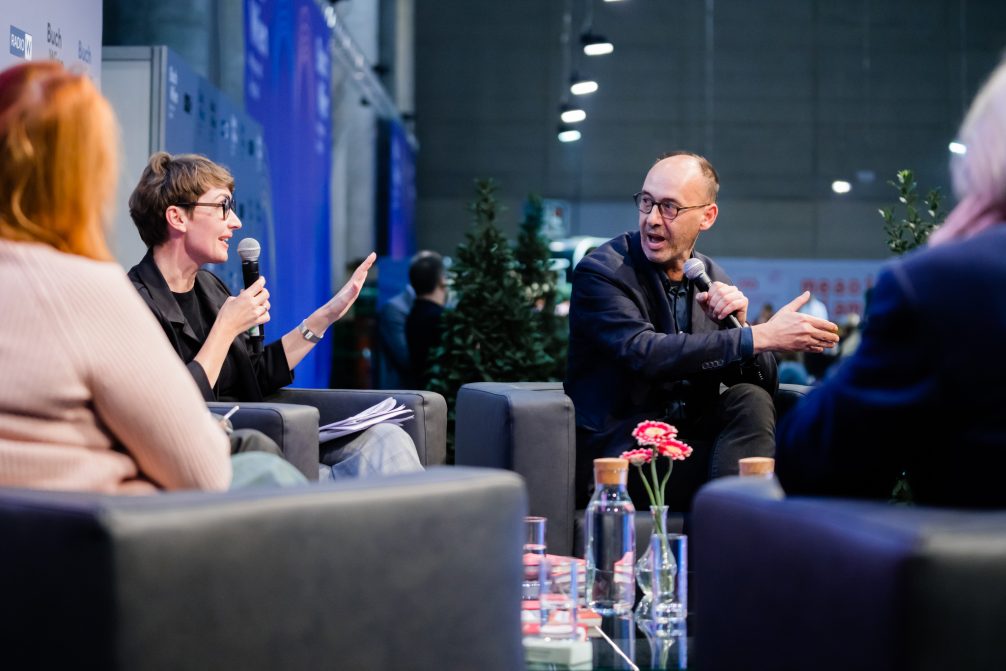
[
  {"x": 491, "y": 334},
  {"x": 534, "y": 260},
  {"x": 902, "y": 495},
  {"x": 906, "y": 233}
]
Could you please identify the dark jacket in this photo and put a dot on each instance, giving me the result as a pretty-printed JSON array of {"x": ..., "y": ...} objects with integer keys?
[
  {"x": 923, "y": 391},
  {"x": 626, "y": 364},
  {"x": 422, "y": 332},
  {"x": 256, "y": 376}
]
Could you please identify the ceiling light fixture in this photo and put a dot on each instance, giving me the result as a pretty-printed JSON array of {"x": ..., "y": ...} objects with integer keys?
[
  {"x": 841, "y": 186},
  {"x": 580, "y": 86},
  {"x": 957, "y": 147},
  {"x": 568, "y": 134},
  {"x": 595, "y": 45},
  {"x": 570, "y": 114}
]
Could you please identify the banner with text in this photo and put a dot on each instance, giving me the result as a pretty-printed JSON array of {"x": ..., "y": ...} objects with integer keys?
[
  {"x": 68, "y": 31},
  {"x": 840, "y": 284},
  {"x": 287, "y": 90}
]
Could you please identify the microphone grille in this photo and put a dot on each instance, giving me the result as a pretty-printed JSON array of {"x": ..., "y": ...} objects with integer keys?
[
  {"x": 694, "y": 268},
  {"x": 249, "y": 249}
]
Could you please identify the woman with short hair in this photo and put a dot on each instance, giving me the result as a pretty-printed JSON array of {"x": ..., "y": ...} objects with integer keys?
[{"x": 183, "y": 208}]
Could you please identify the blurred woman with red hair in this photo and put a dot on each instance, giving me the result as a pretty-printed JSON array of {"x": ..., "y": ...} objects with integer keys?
[{"x": 92, "y": 396}]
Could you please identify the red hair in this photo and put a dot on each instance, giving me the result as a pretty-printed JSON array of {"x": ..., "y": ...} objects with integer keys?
[{"x": 59, "y": 140}]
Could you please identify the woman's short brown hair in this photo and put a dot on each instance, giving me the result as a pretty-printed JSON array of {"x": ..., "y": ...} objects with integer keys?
[
  {"x": 169, "y": 180},
  {"x": 59, "y": 141}
]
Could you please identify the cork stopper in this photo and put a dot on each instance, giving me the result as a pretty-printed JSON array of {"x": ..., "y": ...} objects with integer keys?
[
  {"x": 611, "y": 471},
  {"x": 763, "y": 466}
]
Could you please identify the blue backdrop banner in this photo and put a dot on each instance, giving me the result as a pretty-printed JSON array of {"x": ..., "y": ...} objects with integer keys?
[
  {"x": 287, "y": 85},
  {"x": 396, "y": 192}
]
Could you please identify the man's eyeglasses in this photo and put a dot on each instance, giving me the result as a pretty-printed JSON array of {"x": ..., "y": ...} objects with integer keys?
[
  {"x": 227, "y": 205},
  {"x": 668, "y": 210}
]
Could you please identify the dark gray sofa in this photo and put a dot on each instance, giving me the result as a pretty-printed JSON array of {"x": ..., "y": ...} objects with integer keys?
[
  {"x": 827, "y": 584},
  {"x": 420, "y": 571}
]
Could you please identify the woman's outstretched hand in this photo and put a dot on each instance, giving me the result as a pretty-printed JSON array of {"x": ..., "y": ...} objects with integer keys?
[
  {"x": 295, "y": 345},
  {"x": 347, "y": 295}
]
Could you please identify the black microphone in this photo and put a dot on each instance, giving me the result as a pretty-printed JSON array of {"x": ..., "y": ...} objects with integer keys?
[
  {"x": 695, "y": 270},
  {"x": 249, "y": 250}
]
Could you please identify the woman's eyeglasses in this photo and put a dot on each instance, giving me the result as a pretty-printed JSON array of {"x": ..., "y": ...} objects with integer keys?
[{"x": 227, "y": 205}]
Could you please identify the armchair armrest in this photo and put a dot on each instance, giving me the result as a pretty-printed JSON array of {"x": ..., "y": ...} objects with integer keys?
[
  {"x": 413, "y": 571},
  {"x": 428, "y": 429},
  {"x": 529, "y": 428},
  {"x": 787, "y": 396},
  {"x": 293, "y": 427}
]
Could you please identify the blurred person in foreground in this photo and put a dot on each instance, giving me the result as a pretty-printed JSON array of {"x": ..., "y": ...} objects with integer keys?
[
  {"x": 921, "y": 394},
  {"x": 93, "y": 399},
  {"x": 647, "y": 344},
  {"x": 183, "y": 208}
]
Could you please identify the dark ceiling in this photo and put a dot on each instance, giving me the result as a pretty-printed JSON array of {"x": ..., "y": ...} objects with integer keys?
[{"x": 784, "y": 96}]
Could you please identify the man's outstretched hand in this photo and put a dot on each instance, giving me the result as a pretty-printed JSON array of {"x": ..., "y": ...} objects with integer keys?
[{"x": 792, "y": 331}]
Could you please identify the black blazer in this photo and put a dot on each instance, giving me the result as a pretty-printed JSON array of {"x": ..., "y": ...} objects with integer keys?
[
  {"x": 626, "y": 363},
  {"x": 257, "y": 375}
]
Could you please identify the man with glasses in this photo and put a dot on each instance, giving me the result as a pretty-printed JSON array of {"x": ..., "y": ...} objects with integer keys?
[
  {"x": 647, "y": 343},
  {"x": 183, "y": 208}
]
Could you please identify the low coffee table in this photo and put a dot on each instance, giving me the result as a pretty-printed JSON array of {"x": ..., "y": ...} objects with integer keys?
[{"x": 645, "y": 652}]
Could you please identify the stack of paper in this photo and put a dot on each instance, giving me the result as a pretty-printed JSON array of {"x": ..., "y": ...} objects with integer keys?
[
  {"x": 386, "y": 411},
  {"x": 561, "y": 654}
]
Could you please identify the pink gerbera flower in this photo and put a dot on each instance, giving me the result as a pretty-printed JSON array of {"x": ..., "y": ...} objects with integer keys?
[
  {"x": 662, "y": 441},
  {"x": 639, "y": 456},
  {"x": 653, "y": 433},
  {"x": 674, "y": 449}
]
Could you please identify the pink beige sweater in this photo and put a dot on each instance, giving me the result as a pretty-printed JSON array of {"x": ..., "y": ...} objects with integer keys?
[{"x": 92, "y": 397}]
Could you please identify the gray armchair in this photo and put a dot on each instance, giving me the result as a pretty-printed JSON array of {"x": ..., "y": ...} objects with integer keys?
[
  {"x": 293, "y": 427},
  {"x": 428, "y": 430},
  {"x": 420, "y": 571},
  {"x": 529, "y": 428},
  {"x": 292, "y": 417},
  {"x": 824, "y": 583}
]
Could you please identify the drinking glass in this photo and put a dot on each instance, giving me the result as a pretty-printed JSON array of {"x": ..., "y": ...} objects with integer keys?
[
  {"x": 558, "y": 597},
  {"x": 669, "y": 582},
  {"x": 534, "y": 557}
]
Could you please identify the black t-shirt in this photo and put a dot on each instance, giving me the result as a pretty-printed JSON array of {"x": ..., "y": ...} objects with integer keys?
[
  {"x": 679, "y": 294},
  {"x": 200, "y": 317}
]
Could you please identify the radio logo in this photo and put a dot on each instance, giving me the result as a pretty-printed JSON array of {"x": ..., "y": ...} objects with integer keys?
[{"x": 20, "y": 43}]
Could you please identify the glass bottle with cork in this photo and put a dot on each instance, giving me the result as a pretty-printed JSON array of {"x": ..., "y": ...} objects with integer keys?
[{"x": 611, "y": 540}]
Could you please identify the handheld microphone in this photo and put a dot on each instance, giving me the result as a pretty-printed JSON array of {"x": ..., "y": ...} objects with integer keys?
[
  {"x": 249, "y": 250},
  {"x": 695, "y": 270}
]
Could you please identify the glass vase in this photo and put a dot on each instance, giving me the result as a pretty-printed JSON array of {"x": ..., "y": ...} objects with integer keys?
[
  {"x": 644, "y": 574},
  {"x": 662, "y": 574},
  {"x": 643, "y": 577}
]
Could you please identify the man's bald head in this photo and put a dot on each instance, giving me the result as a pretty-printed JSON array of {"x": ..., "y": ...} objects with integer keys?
[{"x": 686, "y": 160}]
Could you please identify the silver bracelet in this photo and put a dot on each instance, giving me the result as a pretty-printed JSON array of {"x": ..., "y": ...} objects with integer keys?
[{"x": 308, "y": 334}]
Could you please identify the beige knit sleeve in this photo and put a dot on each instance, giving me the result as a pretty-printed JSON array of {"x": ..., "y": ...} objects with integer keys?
[{"x": 141, "y": 390}]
